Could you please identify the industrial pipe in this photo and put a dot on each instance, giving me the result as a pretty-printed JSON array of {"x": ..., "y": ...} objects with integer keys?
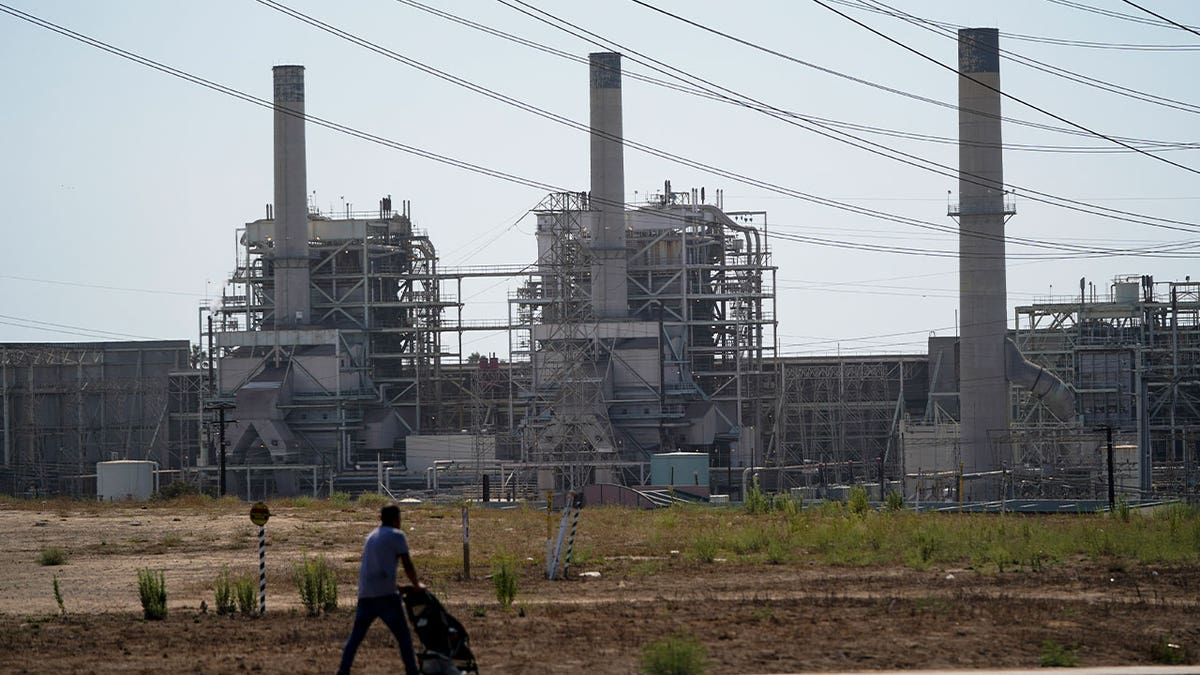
[{"x": 1052, "y": 391}]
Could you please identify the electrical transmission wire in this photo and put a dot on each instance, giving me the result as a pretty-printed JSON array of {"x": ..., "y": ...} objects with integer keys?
[
  {"x": 885, "y": 151},
  {"x": 1157, "y": 146},
  {"x": 494, "y": 173},
  {"x": 522, "y": 105},
  {"x": 1087, "y": 44},
  {"x": 50, "y": 326},
  {"x": 939, "y": 29},
  {"x": 1160, "y": 16},
  {"x": 1111, "y": 13},
  {"x": 1005, "y": 94}
]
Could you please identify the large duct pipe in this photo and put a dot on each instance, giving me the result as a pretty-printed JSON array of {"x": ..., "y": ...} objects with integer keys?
[
  {"x": 1048, "y": 387},
  {"x": 609, "y": 286},
  {"x": 292, "y": 303},
  {"x": 983, "y": 386}
]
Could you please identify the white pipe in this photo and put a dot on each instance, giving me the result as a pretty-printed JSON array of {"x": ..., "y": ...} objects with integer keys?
[{"x": 1052, "y": 391}]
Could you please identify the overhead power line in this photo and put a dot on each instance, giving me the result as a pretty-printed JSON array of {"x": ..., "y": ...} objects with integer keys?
[
  {"x": 1005, "y": 94},
  {"x": 494, "y": 173},
  {"x": 1111, "y": 13},
  {"x": 1157, "y": 146},
  {"x": 938, "y": 29},
  {"x": 875, "y": 148},
  {"x": 1160, "y": 16},
  {"x": 523, "y": 105},
  {"x": 1042, "y": 39}
]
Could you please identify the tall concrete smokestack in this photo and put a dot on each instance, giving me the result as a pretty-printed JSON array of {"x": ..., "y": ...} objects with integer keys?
[
  {"x": 609, "y": 288},
  {"x": 983, "y": 387},
  {"x": 292, "y": 303}
]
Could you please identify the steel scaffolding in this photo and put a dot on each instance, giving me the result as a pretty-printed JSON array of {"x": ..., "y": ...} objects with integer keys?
[
  {"x": 845, "y": 414},
  {"x": 1134, "y": 360},
  {"x": 66, "y": 406},
  {"x": 688, "y": 367}
]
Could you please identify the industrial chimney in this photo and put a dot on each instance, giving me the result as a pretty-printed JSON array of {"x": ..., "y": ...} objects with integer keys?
[
  {"x": 983, "y": 385},
  {"x": 292, "y": 303},
  {"x": 609, "y": 288}
]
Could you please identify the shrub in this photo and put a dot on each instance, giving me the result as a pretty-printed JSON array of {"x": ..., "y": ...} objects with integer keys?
[
  {"x": 1169, "y": 653},
  {"x": 317, "y": 584},
  {"x": 177, "y": 489},
  {"x": 244, "y": 592},
  {"x": 504, "y": 580},
  {"x": 373, "y": 500},
  {"x": 1055, "y": 655},
  {"x": 58, "y": 597},
  {"x": 1121, "y": 510},
  {"x": 152, "y": 589},
  {"x": 858, "y": 502},
  {"x": 674, "y": 656},
  {"x": 224, "y": 595},
  {"x": 777, "y": 551},
  {"x": 785, "y": 504},
  {"x": 339, "y": 498},
  {"x": 704, "y": 547},
  {"x": 53, "y": 555},
  {"x": 756, "y": 501},
  {"x": 895, "y": 501}
]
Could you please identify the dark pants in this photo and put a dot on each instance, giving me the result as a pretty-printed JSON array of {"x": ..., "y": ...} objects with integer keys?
[{"x": 391, "y": 610}]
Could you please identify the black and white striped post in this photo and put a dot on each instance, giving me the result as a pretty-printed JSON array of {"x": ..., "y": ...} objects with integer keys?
[
  {"x": 259, "y": 513},
  {"x": 571, "y": 539}
]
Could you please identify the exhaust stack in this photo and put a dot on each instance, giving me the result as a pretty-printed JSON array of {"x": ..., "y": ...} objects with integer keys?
[
  {"x": 609, "y": 286},
  {"x": 983, "y": 297},
  {"x": 292, "y": 302}
]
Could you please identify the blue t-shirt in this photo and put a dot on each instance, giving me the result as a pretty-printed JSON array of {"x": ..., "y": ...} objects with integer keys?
[{"x": 377, "y": 573}]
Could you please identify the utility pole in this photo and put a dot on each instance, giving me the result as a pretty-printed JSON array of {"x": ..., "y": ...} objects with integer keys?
[
  {"x": 219, "y": 406},
  {"x": 1112, "y": 495}
]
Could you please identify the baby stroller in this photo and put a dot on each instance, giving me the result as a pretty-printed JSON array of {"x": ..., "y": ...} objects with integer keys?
[{"x": 446, "y": 649}]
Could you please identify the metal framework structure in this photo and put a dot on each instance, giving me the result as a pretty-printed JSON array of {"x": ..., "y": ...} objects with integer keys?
[
  {"x": 843, "y": 415},
  {"x": 66, "y": 406},
  {"x": 688, "y": 367},
  {"x": 373, "y": 278},
  {"x": 1134, "y": 359}
]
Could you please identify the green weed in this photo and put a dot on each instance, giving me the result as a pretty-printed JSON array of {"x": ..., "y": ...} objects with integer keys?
[
  {"x": 858, "y": 503},
  {"x": 678, "y": 655},
  {"x": 317, "y": 583},
  {"x": 223, "y": 593},
  {"x": 504, "y": 580},
  {"x": 53, "y": 555},
  {"x": 704, "y": 548},
  {"x": 372, "y": 500},
  {"x": 58, "y": 597},
  {"x": 1170, "y": 653},
  {"x": 247, "y": 598},
  {"x": 152, "y": 590},
  {"x": 1055, "y": 655}
]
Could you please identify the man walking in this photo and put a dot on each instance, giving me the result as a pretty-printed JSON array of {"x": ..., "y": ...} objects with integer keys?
[{"x": 377, "y": 592}]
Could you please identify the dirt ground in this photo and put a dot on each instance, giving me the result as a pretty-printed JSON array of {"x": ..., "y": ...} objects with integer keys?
[{"x": 793, "y": 617}]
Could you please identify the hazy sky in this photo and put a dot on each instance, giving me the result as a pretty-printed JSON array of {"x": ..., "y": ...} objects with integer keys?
[{"x": 123, "y": 187}]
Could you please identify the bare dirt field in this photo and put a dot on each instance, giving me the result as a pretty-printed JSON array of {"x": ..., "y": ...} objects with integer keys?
[{"x": 751, "y": 616}]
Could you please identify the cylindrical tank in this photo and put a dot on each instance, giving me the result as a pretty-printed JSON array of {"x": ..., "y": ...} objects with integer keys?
[
  {"x": 679, "y": 468},
  {"x": 1126, "y": 292},
  {"x": 124, "y": 479}
]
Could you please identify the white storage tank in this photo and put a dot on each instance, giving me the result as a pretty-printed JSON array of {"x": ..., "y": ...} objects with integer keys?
[
  {"x": 125, "y": 479},
  {"x": 679, "y": 468}
]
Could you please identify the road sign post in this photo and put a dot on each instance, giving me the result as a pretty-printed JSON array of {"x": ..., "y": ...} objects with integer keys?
[{"x": 259, "y": 514}]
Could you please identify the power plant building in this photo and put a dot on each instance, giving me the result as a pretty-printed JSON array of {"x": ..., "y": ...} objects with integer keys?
[{"x": 637, "y": 331}]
